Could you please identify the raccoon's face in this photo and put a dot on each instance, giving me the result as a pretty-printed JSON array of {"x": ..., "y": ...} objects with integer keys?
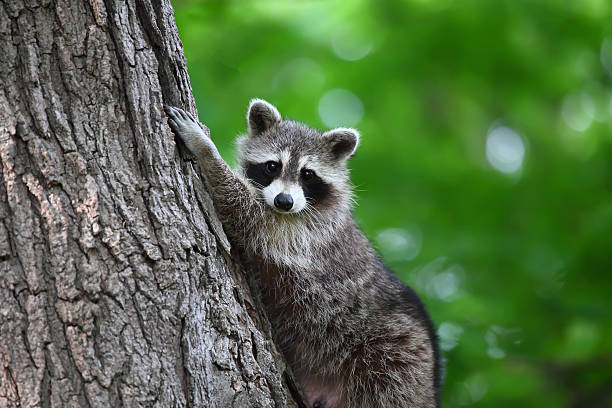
[{"x": 295, "y": 168}]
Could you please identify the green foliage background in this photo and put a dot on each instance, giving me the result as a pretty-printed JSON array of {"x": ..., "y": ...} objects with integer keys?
[{"x": 514, "y": 267}]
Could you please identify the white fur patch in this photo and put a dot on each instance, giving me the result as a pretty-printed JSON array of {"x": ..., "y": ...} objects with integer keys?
[
  {"x": 285, "y": 155},
  {"x": 299, "y": 201},
  {"x": 303, "y": 161},
  {"x": 271, "y": 191},
  {"x": 294, "y": 190},
  {"x": 328, "y": 173},
  {"x": 260, "y": 157}
]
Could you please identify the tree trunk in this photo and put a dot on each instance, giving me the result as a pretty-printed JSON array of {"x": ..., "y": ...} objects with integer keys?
[{"x": 116, "y": 284}]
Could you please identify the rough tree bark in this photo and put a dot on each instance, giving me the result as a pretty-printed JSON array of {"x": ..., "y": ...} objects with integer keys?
[{"x": 116, "y": 287}]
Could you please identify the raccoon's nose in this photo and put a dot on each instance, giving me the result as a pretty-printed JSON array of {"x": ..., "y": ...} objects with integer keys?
[{"x": 283, "y": 202}]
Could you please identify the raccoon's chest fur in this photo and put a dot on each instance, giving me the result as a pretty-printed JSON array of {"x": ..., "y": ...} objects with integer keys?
[
  {"x": 287, "y": 241},
  {"x": 318, "y": 310},
  {"x": 309, "y": 325}
]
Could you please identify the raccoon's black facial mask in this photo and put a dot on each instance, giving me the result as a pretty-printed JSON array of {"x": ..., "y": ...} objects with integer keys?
[
  {"x": 315, "y": 189},
  {"x": 262, "y": 174}
]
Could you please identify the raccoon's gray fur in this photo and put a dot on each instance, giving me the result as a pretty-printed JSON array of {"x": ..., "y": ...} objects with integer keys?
[{"x": 353, "y": 334}]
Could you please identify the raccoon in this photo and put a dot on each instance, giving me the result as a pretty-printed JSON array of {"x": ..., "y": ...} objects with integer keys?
[{"x": 352, "y": 333}]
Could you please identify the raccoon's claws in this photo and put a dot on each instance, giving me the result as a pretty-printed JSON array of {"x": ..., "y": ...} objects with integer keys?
[
  {"x": 179, "y": 120},
  {"x": 188, "y": 130},
  {"x": 178, "y": 112}
]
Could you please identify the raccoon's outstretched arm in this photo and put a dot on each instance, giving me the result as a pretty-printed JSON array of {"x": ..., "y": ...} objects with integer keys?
[
  {"x": 188, "y": 129},
  {"x": 231, "y": 197}
]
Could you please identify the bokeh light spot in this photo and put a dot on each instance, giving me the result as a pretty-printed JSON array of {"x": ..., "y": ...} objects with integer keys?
[
  {"x": 445, "y": 284},
  {"x": 496, "y": 335},
  {"x": 439, "y": 282},
  {"x": 339, "y": 107},
  {"x": 350, "y": 45},
  {"x": 505, "y": 150},
  {"x": 474, "y": 389},
  {"x": 496, "y": 353},
  {"x": 299, "y": 73},
  {"x": 578, "y": 111},
  {"x": 400, "y": 244},
  {"x": 606, "y": 54},
  {"x": 449, "y": 334}
]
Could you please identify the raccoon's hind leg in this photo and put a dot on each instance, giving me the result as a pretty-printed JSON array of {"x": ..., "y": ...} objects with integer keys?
[{"x": 397, "y": 371}]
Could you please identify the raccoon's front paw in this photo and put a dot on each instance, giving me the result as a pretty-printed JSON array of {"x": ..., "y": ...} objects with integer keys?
[{"x": 188, "y": 129}]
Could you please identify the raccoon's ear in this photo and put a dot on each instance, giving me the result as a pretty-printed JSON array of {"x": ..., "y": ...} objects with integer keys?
[
  {"x": 261, "y": 116},
  {"x": 342, "y": 142}
]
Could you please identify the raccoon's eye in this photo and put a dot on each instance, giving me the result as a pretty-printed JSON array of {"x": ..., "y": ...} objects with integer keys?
[
  {"x": 307, "y": 174},
  {"x": 272, "y": 167}
]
